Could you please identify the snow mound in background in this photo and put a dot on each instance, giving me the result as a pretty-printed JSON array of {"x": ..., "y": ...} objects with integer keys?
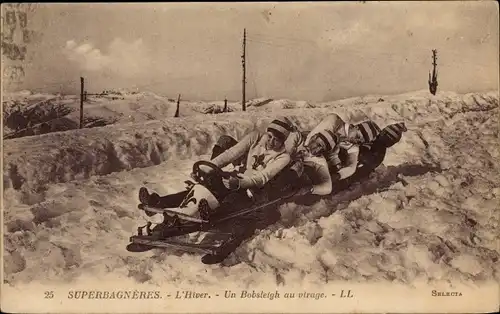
[
  {"x": 427, "y": 214},
  {"x": 108, "y": 107}
]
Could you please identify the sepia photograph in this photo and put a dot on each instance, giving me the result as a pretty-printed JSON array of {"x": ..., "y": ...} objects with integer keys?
[{"x": 232, "y": 157}]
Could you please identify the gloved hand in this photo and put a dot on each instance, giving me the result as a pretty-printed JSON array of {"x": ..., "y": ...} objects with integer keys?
[
  {"x": 305, "y": 190},
  {"x": 232, "y": 183},
  {"x": 194, "y": 177},
  {"x": 301, "y": 154},
  {"x": 206, "y": 169}
]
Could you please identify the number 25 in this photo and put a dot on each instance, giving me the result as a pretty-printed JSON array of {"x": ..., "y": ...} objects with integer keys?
[{"x": 49, "y": 294}]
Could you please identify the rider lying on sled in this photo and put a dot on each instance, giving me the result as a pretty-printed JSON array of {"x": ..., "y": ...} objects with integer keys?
[
  {"x": 266, "y": 158},
  {"x": 351, "y": 149},
  {"x": 334, "y": 152}
]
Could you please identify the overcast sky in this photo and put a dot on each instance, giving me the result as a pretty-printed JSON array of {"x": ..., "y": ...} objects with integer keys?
[{"x": 299, "y": 51}]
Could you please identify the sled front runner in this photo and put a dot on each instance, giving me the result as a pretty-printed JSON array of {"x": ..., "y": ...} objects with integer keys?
[
  {"x": 176, "y": 244},
  {"x": 229, "y": 226},
  {"x": 216, "y": 245}
]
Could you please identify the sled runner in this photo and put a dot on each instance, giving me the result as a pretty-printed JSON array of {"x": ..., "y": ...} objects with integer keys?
[
  {"x": 223, "y": 219},
  {"x": 230, "y": 224}
]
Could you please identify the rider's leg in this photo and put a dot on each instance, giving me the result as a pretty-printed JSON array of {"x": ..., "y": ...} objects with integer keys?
[
  {"x": 167, "y": 201},
  {"x": 378, "y": 155},
  {"x": 286, "y": 181},
  {"x": 224, "y": 143},
  {"x": 172, "y": 200},
  {"x": 236, "y": 198},
  {"x": 230, "y": 202},
  {"x": 372, "y": 158}
]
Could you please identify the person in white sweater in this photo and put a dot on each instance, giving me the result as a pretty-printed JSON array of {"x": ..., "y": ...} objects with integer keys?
[{"x": 264, "y": 157}]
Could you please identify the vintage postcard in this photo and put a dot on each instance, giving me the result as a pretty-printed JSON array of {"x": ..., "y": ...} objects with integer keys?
[{"x": 274, "y": 157}]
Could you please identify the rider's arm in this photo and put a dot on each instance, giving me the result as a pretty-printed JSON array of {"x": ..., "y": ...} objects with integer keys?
[
  {"x": 322, "y": 176},
  {"x": 331, "y": 122},
  {"x": 293, "y": 141},
  {"x": 260, "y": 178},
  {"x": 332, "y": 158},
  {"x": 351, "y": 163},
  {"x": 238, "y": 150}
]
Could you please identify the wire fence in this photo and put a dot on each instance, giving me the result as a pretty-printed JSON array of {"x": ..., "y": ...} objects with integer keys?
[{"x": 29, "y": 126}]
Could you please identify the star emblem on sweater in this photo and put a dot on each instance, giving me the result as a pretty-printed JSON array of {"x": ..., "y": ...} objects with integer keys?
[{"x": 258, "y": 160}]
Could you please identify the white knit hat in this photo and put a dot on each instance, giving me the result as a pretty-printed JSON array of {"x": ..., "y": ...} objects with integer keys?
[{"x": 280, "y": 127}]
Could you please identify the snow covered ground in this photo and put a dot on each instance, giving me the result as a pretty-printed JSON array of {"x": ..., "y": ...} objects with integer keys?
[
  {"x": 107, "y": 107},
  {"x": 429, "y": 213}
]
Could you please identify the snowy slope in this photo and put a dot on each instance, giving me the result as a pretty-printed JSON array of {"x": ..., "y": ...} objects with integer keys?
[
  {"x": 109, "y": 107},
  {"x": 430, "y": 213}
]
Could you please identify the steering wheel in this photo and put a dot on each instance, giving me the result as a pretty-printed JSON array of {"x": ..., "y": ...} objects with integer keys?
[{"x": 208, "y": 179}]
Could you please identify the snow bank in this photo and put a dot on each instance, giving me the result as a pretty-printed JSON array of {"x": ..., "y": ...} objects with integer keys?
[
  {"x": 109, "y": 107},
  {"x": 31, "y": 163}
]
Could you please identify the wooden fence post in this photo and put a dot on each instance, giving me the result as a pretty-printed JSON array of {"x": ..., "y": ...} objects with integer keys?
[
  {"x": 177, "y": 112},
  {"x": 81, "y": 101}
]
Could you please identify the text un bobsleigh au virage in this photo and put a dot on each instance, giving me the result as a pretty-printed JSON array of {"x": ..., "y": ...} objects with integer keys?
[{"x": 189, "y": 294}]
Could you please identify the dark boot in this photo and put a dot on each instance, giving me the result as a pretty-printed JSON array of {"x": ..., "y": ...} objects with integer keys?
[
  {"x": 148, "y": 199},
  {"x": 213, "y": 259},
  {"x": 138, "y": 248},
  {"x": 204, "y": 209},
  {"x": 241, "y": 230}
]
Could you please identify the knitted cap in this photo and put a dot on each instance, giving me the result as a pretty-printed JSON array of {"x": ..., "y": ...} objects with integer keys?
[
  {"x": 394, "y": 131},
  {"x": 281, "y": 128},
  {"x": 329, "y": 138},
  {"x": 391, "y": 134},
  {"x": 369, "y": 129}
]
